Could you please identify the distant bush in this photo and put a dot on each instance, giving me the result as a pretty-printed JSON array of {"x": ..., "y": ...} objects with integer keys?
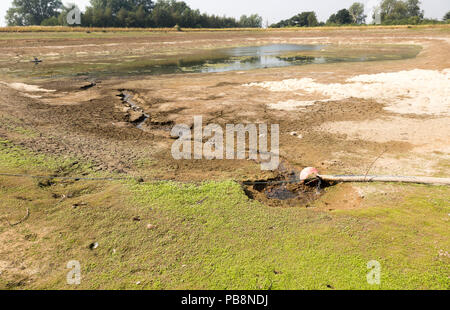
[
  {"x": 304, "y": 19},
  {"x": 447, "y": 16},
  {"x": 52, "y": 21}
]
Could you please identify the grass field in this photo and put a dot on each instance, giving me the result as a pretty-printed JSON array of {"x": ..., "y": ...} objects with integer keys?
[{"x": 211, "y": 236}]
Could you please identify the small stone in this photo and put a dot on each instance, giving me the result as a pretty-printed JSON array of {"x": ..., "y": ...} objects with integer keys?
[{"x": 93, "y": 245}]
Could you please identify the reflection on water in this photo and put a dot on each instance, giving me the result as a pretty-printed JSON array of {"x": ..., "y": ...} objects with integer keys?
[
  {"x": 241, "y": 59},
  {"x": 257, "y": 57},
  {"x": 225, "y": 59}
]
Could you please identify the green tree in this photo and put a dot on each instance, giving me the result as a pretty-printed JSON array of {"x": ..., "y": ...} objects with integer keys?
[
  {"x": 98, "y": 19},
  {"x": 141, "y": 17},
  {"x": 52, "y": 21},
  {"x": 87, "y": 19},
  {"x": 147, "y": 13},
  {"x": 147, "y": 5},
  {"x": 332, "y": 19},
  {"x": 357, "y": 13},
  {"x": 447, "y": 16},
  {"x": 32, "y": 12},
  {"x": 131, "y": 20},
  {"x": 312, "y": 20},
  {"x": 413, "y": 8},
  {"x": 342, "y": 17},
  {"x": 394, "y": 10},
  {"x": 122, "y": 16},
  {"x": 304, "y": 19},
  {"x": 252, "y": 21},
  {"x": 387, "y": 8}
]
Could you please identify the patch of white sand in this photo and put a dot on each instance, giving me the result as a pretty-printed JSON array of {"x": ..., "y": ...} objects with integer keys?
[
  {"x": 289, "y": 105},
  {"x": 416, "y": 91},
  {"x": 27, "y": 88},
  {"x": 428, "y": 135}
]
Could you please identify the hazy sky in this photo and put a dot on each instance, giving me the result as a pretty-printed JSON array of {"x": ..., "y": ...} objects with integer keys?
[{"x": 273, "y": 10}]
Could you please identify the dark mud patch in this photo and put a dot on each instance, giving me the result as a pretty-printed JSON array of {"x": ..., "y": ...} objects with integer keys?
[
  {"x": 163, "y": 126},
  {"x": 46, "y": 182},
  {"x": 285, "y": 190},
  {"x": 88, "y": 86},
  {"x": 224, "y": 84}
]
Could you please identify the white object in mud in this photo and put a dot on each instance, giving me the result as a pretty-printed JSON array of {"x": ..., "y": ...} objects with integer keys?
[{"x": 308, "y": 173}]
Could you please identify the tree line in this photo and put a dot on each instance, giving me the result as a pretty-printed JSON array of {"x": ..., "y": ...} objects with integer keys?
[
  {"x": 123, "y": 13},
  {"x": 389, "y": 12},
  {"x": 172, "y": 13}
]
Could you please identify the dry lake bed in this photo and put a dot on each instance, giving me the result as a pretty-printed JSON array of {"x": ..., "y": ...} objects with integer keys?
[{"x": 102, "y": 105}]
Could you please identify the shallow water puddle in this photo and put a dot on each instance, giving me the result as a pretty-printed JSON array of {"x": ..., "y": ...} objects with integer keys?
[
  {"x": 285, "y": 190},
  {"x": 258, "y": 57},
  {"x": 277, "y": 56},
  {"x": 223, "y": 60}
]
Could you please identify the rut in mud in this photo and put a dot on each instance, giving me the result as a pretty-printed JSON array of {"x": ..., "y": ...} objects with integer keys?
[{"x": 136, "y": 114}]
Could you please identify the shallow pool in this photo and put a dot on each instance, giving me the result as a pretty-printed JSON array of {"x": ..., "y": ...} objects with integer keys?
[
  {"x": 275, "y": 56},
  {"x": 217, "y": 60}
]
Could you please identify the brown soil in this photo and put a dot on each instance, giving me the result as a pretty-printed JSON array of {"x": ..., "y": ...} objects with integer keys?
[{"x": 87, "y": 119}]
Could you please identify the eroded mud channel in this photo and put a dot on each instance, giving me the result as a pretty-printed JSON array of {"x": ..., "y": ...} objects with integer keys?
[{"x": 136, "y": 115}]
